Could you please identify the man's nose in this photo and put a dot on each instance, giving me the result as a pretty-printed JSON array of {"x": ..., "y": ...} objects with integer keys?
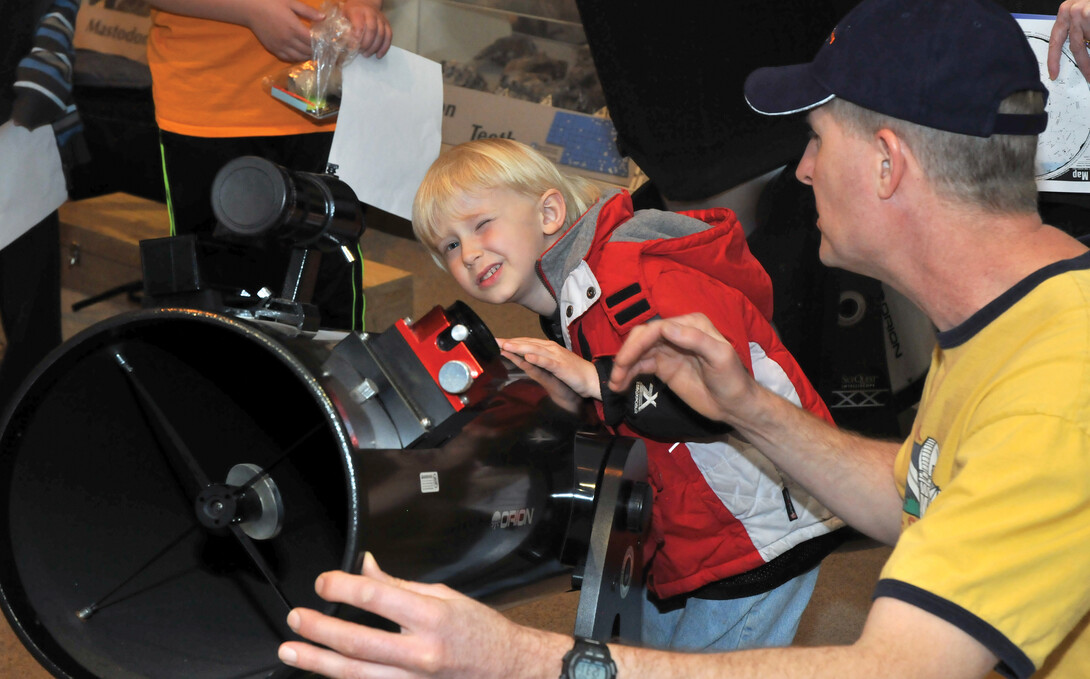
[{"x": 805, "y": 170}]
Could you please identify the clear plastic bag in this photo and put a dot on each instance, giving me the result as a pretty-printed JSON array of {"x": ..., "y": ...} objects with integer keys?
[{"x": 314, "y": 86}]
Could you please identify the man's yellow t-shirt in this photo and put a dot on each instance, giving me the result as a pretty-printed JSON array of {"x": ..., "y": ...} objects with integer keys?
[{"x": 996, "y": 479}]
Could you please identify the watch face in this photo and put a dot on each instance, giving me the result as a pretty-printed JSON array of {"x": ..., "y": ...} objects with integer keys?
[{"x": 589, "y": 669}]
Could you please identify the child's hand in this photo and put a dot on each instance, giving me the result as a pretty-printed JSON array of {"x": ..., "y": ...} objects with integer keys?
[
  {"x": 283, "y": 27},
  {"x": 574, "y": 371},
  {"x": 371, "y": 30},
  {"x": 560, "y": 393}
]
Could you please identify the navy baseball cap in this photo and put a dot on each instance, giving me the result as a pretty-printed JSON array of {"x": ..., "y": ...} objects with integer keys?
[{"x": 945, "y": 64}]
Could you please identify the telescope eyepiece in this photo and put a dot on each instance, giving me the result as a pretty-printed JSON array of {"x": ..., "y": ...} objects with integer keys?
[{"x": 255, "y": 198}]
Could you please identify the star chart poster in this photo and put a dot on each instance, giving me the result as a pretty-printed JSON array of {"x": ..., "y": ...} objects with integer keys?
[{"x": 1063, "y": 150}]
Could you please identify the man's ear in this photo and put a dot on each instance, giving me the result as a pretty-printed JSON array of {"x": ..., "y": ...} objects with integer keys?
[
  {"x": 891, "y": 162},
  {"x": 553, "y": 212}
]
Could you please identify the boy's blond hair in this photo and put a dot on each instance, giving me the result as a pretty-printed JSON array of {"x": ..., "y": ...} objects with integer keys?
[{"x": 489, "y": 164}]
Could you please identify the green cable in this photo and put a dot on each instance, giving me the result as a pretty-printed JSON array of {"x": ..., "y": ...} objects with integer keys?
[
  {"x": 166, "y": 186},
  {"x": 363, "y": 295}
]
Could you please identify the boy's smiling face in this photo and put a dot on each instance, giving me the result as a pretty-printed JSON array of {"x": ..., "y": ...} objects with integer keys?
[{"x": 492, "y": 241}]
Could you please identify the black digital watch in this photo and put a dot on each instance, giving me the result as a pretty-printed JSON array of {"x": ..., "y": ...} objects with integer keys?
[{"x": 588, "y": 659}]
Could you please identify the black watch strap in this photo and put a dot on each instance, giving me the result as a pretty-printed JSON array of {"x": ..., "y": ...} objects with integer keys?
[{"x": 588, "y": 659}]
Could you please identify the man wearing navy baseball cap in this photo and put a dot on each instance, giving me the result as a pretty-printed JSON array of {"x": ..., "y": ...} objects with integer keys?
[
  {"x": 925, "y": 115},
  {"x": 945, "y": 65}
]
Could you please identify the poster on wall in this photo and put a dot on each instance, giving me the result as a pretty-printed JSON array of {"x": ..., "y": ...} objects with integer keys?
[
  {"x": 118, "y": 27},
  {"x": 1063, "y": 149}
]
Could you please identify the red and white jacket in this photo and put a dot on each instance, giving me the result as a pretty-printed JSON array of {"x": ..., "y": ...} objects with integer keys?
[{"x": 721, "y": 509}]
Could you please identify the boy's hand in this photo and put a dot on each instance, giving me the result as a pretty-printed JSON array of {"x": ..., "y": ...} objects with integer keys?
[
  {"x": 283, "y": 27},
  {"x": 560, "y": 393},
  {"x": 371, "y": 32},
  {"x": 572, "y": 370}
]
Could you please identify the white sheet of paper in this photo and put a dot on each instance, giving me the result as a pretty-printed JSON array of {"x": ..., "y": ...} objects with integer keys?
[
  {"x": 31, "y": 179},
  {"x": 389, "y": 128}
]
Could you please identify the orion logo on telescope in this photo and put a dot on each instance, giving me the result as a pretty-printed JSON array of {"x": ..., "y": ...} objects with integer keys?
[{"x": 512, "y": 518}]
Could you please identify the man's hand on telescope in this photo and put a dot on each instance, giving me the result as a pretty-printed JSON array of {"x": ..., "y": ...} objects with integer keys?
[{"x": 443, "y": 634}]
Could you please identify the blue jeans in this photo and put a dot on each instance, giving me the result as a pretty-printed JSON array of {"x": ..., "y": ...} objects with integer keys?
[{"x": 708, "y": 625}]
